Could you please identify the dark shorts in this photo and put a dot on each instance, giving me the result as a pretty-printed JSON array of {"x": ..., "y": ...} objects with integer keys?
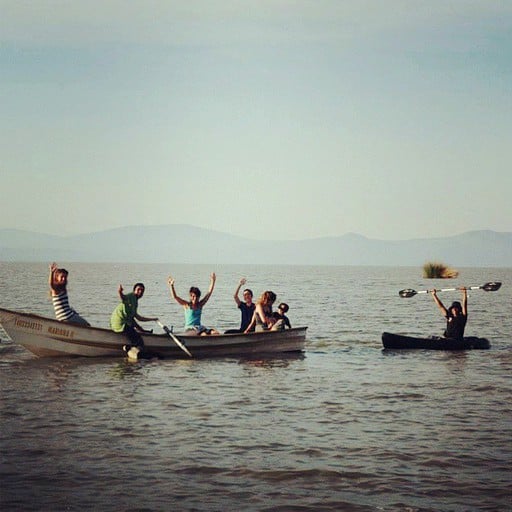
[{"x": 134, "y": 338}]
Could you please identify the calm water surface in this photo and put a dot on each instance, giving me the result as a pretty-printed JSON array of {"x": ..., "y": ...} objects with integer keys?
[{"x": 344, "y": 426}]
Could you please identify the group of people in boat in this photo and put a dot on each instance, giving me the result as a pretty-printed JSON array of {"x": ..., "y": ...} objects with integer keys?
[{"x": 257, "y": 316}]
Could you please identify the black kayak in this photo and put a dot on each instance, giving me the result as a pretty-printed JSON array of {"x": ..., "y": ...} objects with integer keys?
[{"x": 399, "y": 341}]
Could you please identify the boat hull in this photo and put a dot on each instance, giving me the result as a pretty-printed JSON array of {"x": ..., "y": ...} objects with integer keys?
[
  {"x": 399, "y": 341},
  {"x": 46, "y": 337}
]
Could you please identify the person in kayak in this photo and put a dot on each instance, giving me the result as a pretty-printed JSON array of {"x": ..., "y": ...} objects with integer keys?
[
  {"x": 194, "y": 307},
  {"x": 456, "y": 315},
  {"x": 123, "y": 319},
  {"x": 58, "y": 281}
]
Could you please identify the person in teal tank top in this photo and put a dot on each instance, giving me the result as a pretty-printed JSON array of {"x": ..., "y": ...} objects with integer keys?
[{"x": 194, "y": 307}]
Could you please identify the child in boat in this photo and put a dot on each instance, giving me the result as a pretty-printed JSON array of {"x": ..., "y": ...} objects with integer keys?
[
  {"x": 262, "y": 317},
  {"x": 281, "y": 321},
  {"x": 194, "y": 307},
  {"x": 58, "y": 280},
  {"x": 456, "y": 315}
]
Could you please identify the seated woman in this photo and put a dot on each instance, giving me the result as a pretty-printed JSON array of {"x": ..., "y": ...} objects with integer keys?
[
  {"x": 58, "y": 280},
  {"x": 262, "y": 317},
  {"x": 194, "y": 307}
]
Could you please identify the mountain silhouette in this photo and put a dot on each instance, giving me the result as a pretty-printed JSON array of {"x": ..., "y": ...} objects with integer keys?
[{"x": 180, "y": 243}]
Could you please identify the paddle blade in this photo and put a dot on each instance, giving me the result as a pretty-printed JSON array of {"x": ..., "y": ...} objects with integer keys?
[
  {"x": 408, "y": 292},
  {"x": 491, "y": 287}
]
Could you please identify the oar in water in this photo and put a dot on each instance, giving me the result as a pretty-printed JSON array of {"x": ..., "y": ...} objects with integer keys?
[
  {"x": 488, "y": 287},
  {"x": 174, "y": 338}
]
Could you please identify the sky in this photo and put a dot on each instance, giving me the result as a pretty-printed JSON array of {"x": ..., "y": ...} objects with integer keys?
[{"x": 275, "y": 119}]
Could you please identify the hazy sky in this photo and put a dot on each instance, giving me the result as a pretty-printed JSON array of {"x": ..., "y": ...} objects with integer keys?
[{"x": 270, "y": 119}]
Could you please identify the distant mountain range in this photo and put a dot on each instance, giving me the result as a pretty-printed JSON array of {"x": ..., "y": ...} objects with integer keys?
[{"x": 178, "y": 243}]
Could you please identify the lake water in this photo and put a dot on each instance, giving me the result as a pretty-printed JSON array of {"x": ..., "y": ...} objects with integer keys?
[{"x": 344, "y": 426}]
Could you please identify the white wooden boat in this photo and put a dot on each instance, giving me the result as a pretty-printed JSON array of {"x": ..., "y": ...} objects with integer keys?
[{"x": 46, "y": 337}]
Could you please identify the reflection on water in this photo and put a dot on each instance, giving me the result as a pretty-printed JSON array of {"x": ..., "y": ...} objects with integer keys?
[
  {"x": 281, "y": 361},
  {"x": 126, "y": 369}
]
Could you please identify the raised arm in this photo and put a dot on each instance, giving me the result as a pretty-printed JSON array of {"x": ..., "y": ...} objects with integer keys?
[
  {"x": 51, "y": 281},
  {"x": 440, "y": 305},
  {"x": 237, "y": 291},
  {"x": 120, "y": 293},
  {"x": 465, "y": 301},
  {"x": 179, "y": 300},
  {"x": 204, "y": 300}
]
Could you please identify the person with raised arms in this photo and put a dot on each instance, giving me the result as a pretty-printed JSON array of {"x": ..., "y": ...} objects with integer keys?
[
  {"x": 456, "y": 315},
  {"x": 193, "y": 308}
]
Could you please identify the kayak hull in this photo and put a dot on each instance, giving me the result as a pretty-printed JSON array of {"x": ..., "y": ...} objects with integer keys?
[{"x": 400, "y": 341}]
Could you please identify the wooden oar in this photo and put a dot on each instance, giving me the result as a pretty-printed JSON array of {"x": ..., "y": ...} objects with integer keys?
[
  {"x": 174, "y": 338},
  {"x": 488, "y": 287}
]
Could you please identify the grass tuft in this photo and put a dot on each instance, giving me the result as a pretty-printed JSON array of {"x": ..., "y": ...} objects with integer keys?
[{"x": 434, "y": 270}]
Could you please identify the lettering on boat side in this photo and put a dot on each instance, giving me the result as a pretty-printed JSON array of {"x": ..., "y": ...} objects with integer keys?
[
  {"x": 59, "y": 331},
  {"x": 28, "y": 324}
]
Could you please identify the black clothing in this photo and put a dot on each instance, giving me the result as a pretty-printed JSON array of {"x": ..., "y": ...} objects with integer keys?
[
  {"x": 285, "y": 321},
  {"x": 455, "y": 326},
  {"x": 133, "y": 336},
  {"x": 247, "y": 312}
]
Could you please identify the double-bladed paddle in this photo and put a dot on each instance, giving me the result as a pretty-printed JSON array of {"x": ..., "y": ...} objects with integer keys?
[
  {"x": 488, "y": 287},
  {"x": 174, "y": 338}
]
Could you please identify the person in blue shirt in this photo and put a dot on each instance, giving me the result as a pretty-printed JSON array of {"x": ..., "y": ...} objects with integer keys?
[{"x": 194, "y": 307}]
